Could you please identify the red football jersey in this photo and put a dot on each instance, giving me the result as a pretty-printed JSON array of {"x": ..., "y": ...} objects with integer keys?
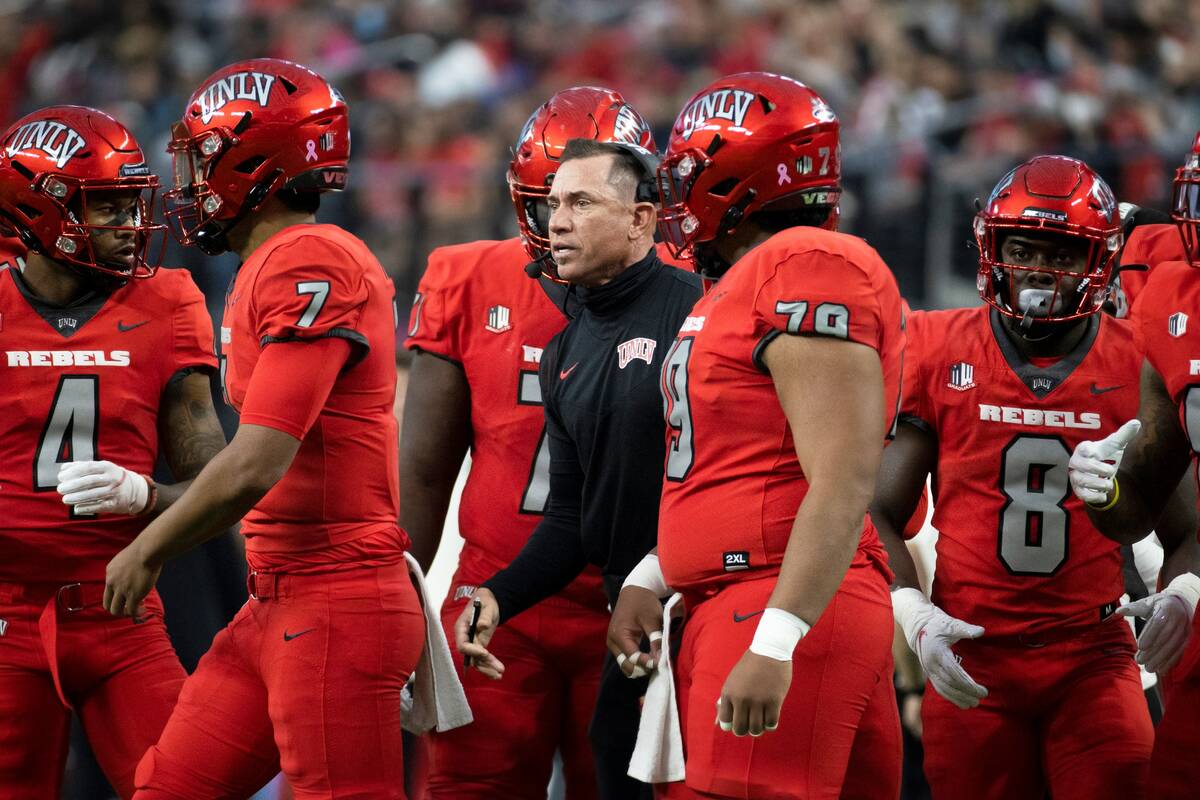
[
  {"x": 84, "y": 383},
  {"x": 1015, "y": 550},
  {"x": 476, "y": 307},
  {"x": 733, "y": 482},
  {"x": 1150, "y": 245},
  {"x": 1170, "y": 325},
  {"x": 305, "y": 283}
]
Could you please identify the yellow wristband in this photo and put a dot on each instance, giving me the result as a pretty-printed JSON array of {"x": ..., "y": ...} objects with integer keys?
[{"x": 1116, "y": 495}]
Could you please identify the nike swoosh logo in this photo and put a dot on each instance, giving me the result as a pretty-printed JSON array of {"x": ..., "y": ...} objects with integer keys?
[
  {"x": 1102, "y": 389},
  {"x": 743, "y": 617},
  {"x": 562, "y": 376},
  {"x": 287, "y": 637},
  {"x": 122, "y": 327}
]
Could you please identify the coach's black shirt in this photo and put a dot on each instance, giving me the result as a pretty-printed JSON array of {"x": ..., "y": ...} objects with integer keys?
[{"x": 604, "y": 419}]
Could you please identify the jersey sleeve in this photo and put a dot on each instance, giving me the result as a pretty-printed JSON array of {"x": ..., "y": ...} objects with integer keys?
[
  {"x": 816, "y": 294},
  {"x": 915, "y": 407},
  {"x": 291, "y": 383},
  {"x": 193, "y": 340},
  {"x": 435, "y": 323},
  {"x": 311, "y": 289}
]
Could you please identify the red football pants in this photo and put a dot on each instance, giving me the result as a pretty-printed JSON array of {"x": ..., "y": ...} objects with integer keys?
[
  {"x": 839, "y": 730},
  {"x": 552, "y": 656},
  {"x": 120, "y": 675},
  {"x": 1175, "y": 764},
  {"x": 307, "y": 680},
  {"x": 1068, "y": 718}
]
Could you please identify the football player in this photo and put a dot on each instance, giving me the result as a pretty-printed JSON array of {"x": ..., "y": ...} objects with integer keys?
[
  {"x": 778, "y": 392},
  {"x": 308, "y": 675},
  {"x": 106, "y": 362},
  {"x": 1036, "y": 687},
  {"x": 1126, "y": 480},
  {"x": 478, "y": 328}
]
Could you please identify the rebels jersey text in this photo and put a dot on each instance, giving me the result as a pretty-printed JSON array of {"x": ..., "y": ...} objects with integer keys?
[
  {"x": 1016, "y": 552},
  {"x": 305, "y": 283},
  {"x": 84, "y": 383},
  {"x": 733, "y": 482}
]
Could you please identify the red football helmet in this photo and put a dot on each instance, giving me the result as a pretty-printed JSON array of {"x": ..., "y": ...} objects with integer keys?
[
  {"x": 1049, "y": 194},
  {"x": 50, "y": 161},
  {"x": 1185, "y": 210},
  {"x": 746, "y": 143},
  {"x": 581, "y": 112},
  {"x": 251, "y": 129}
]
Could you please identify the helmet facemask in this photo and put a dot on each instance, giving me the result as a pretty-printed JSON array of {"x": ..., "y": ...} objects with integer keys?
[
  {"x": 1185, "y": 206},
  {"x": 76, "y": 245}
]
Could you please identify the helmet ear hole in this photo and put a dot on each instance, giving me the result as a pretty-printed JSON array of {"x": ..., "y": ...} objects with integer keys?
[
  {"x": 25, "y": 171},
  {"x": 251, "y": 164},
  {"x": 726, "y": 186}
]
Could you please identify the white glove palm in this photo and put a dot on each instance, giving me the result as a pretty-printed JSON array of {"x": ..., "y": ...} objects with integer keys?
[
  {"x": 930, "y": 632},
  {"x": 1094, "y": 464},
  {"x": 1170, "y": 612},
  {"x": 102, "y": 487}
]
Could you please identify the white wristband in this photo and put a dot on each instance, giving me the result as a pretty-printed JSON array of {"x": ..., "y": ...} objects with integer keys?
[
  {"x": 648, "y": 575},
  {"x": 777, "y": 634}
]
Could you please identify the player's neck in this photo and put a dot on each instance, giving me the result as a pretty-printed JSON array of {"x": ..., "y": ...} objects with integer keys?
[
  {"x": 1061, "y": 340},
  {"x": 52, "y": 282},
  {"x": 745, "y": 238},
  {"x": 261, "y": 225}
]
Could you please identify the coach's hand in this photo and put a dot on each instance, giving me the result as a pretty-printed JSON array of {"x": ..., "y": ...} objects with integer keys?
[
  {"x": 638, "y": 615},
  {"x": 476, "y": 651},
  {"x": 753, "y": 695},
  {"x": 127, "y": 581},
  {"x": 930, "y": 632},
  {"x": 102, "y": 487},
  {"x": 1170, "y": 612}
]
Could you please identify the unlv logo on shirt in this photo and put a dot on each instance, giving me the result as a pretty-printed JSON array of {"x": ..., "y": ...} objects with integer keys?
[
  {"x": 640, "y": 347},
  {"x": 54, "y": 139},
  {"x": 254, "y": 86},
  {"x": 1177, "y": 324},
  {"x": 962, "y": 376},
  {"x": 498, "y": 319}
]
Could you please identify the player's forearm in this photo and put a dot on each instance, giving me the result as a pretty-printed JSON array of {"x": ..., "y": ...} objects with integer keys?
[
  {"x": 168, "y": 494},
  {"x": 1132, "y": 517},
  {"x": 423, "y": 507},
  {"x": 1176, "y": 530},
  {"x": 899, "y": 559},
  {"x": 824, "y": 538},
  {"x": 237, "y": 478}
]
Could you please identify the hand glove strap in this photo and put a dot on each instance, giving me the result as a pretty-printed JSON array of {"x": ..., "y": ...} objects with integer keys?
[
  {"x": 151, "y": 496},
  {"x": 1116, "y": 495}
]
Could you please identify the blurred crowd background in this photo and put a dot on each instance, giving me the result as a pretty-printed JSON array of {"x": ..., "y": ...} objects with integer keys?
[{"x": 938, "y": 99}]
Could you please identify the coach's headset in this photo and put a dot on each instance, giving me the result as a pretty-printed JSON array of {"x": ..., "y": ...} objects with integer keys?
[{"x": 646, "y": 191}]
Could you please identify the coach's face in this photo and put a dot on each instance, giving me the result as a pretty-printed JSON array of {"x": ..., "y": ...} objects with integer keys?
[{"x": 595, "y": 224}]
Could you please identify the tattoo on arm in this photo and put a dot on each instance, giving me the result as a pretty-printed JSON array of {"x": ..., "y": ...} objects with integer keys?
[{"x": 189, "y": 428}]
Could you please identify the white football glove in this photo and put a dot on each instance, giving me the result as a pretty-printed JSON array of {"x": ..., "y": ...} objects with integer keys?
[
  {"x": 1170, "y": 612},
  {"x": 930, "y": 633},
  {"x": 102, "y": 487},
  {"x": 1094, "y": 464}
]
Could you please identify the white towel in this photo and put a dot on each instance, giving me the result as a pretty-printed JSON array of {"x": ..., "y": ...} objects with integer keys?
[
  {"x": 434, "y": 696},
  {"x": 658, "y": 754}
]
